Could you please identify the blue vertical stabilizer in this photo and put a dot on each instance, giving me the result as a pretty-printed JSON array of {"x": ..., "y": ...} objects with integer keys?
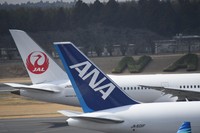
[
  {"x": 95, "y": 90},
  {"x": 185, "y": 128}
]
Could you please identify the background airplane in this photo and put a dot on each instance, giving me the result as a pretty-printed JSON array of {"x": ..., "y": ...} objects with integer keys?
[
  {"x": 50, "y": 83},
  {"x": 107, "y": 108},
  {"x": 185, "y": 128}
]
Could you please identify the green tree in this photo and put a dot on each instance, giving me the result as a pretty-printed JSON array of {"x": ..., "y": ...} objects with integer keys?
[
  {"x": 80, "y": 14},
  {"x": 62, "y": 21},
  {"x": 96, "y": 11},
  {"x": 110, "y": 13},
  {"x": 168, "y": 19},
  {"x": 4, "y": 21}
]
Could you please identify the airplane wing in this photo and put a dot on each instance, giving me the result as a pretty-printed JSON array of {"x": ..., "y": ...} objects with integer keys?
[
  {"x": 27, "y": 87},
  {"x": 13, "y": 90},
  {"x": 180, "y": 93},
  {"x": 98, "y": 119}
]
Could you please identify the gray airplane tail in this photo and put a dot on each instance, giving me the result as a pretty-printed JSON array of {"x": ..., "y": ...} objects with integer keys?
[{"x": 39, "y": 65}]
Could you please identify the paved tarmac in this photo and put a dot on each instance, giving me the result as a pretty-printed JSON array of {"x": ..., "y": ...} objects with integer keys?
[
  {"x": 39, "y": 125},
  {"x": 5, "y": 87}
]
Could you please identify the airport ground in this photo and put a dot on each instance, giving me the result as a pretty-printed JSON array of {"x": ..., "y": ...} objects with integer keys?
[
  {"x": 22, "y": 115},
  {"x": 19, "y": 114},
  {"x": 12, "y": 106},
  {"x": 39, "y": 125}
]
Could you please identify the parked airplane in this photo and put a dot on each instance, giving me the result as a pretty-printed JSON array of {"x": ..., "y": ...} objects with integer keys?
[
  {"x": 50, "y": 83},
  {"x": 185, "y": 128},
  {"x": 107, "y": 108}
]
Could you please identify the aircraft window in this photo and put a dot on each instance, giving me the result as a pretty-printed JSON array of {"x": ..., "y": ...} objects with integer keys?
[
  {"x": 131, "y": 88},
  {"x": 184, "y": 86},
  {"x": 138, "y": 88},
  {"x": 187, "y": 86},
  {"x": 124, "y": 88},
  {"x": 180, "y": 86},
  {"x": 194, "y": 86},
  {"x": 135, "y": 88},
  {"x": 127, "y": 88},
  {"x": 191, "y": 86},
  {"x": 198, "y": 86}
]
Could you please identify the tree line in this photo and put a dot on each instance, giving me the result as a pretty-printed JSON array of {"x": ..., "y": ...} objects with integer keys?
[{"x": 99, "y": 24}]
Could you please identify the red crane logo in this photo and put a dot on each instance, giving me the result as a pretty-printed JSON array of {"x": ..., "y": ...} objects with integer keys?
[{"x": 37, "y": 62}]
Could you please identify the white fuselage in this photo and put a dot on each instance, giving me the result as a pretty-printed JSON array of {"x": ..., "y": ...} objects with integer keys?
[
  {"x": 145, "y": 118},
  {"x": 130, "y": 84}
]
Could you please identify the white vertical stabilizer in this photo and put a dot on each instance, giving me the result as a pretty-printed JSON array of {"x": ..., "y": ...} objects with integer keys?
[{"x": 40, "y": 66}]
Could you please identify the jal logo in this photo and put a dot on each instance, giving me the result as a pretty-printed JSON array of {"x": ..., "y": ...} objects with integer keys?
[{"x": 37, "y": 62}]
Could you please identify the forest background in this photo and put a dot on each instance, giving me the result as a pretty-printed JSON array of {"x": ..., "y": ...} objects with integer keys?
[{"x": 98, "y": 25}]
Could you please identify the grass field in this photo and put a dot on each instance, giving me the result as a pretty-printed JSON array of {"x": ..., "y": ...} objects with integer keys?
[{"x": 13, "y": 106}]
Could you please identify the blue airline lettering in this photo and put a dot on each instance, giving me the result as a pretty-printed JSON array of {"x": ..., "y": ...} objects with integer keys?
[
  {"x": 84, "y": 74},
  {"x": 93, "y": 88}
]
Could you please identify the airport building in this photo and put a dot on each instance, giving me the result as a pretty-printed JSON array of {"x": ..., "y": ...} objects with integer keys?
[
  {"x": 179, "y": 44},
  {"x": 9, "y": 53}
]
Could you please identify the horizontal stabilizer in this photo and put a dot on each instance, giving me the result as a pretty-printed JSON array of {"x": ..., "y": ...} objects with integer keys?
[
  {"x": 13, "y": 90},
  {"x": 69, "y": 113},
  {"x": 37, "y": 88},
  {"x": 97, "y": 119},
  {"x": 100, "y": 119}
]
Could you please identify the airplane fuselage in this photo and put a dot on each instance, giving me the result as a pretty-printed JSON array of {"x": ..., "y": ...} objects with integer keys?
[
  {"x": 146, "y": 118},
  {"x": 129, "y": 83},
  {"x": 117, "y": 112}
]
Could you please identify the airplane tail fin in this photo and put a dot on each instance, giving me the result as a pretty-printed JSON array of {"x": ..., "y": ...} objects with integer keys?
[
  {"x": 94, "y": 89},
  {"x": 185, "y": 128},
  {"x": 39, "y": 65}
]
